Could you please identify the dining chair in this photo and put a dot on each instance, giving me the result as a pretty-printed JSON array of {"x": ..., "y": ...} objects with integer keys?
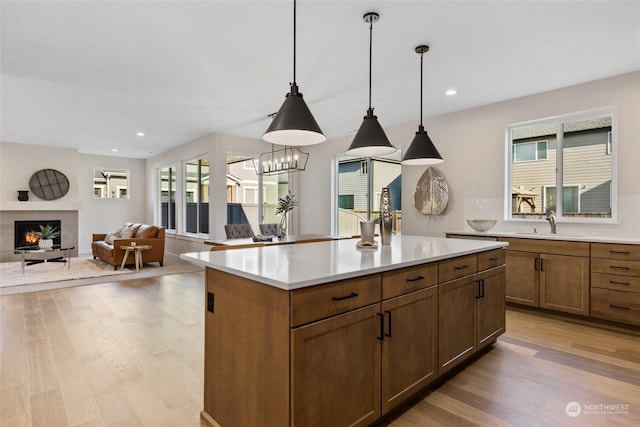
[
  {"x": 238, "y": 231},
  {"x": 270, "y": 229}
]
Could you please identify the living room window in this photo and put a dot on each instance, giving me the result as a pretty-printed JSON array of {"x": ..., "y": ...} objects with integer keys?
[
  {"x": 168, "y": 197},
  {"x": 575, "y": 152},
  {"x": 196, "y": 203}
]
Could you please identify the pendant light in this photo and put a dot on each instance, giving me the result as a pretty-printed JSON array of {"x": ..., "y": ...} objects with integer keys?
[
  {"x": 294, "y": 124},
  {"x": 370, "y": 139},
  {"x": 422, "y": 151}
]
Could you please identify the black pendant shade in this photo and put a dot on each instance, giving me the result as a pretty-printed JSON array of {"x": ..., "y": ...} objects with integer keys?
[
  {"x": 294, "y": 124},
  {"x": 422, "y": 150},
  {"x": 371, "y": 140}
]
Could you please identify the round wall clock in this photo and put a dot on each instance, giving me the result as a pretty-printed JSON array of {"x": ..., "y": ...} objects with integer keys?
[{"x": 49, "y": 184}]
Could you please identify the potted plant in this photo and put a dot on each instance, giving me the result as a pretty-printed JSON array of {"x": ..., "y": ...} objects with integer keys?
[
  {"x": 46, "y": 235},
  {"x": 285, "y": 205}
]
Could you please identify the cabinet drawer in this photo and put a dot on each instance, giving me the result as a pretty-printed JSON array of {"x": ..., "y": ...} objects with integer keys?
[
  {"x": 615, "y": 251},
  {"x": 457, "y": 267},
  {"x": 554, "y": 247},
  {"x": 616, "y": 267},
  {"x": 405, "y": 280},
  {"x": 319, "y": 302},
  {"x": 615, "y": 305},
  {"x": 490, "y": 259},
  {"x": 617, "y": 283}
]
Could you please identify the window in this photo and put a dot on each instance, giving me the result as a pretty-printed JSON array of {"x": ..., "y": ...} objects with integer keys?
[
  {"x": 574, "y": 152},
  {"x": 168, "y": 197},
  {"x": 110, "y": 183},
  {"x": 246, "y": 203},
  {"x": 529, "y": 151},
  {"x": 359, "y": 184},
  {"x": 196, "y": 181}
]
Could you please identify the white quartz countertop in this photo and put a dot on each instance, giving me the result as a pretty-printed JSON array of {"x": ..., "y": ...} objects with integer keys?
[
  {"x": 299, "y": 265},
  {"x": 547, "y": 236}
]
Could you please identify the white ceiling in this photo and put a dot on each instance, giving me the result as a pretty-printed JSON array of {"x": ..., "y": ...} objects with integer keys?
[{"x": 90, "y": 74}]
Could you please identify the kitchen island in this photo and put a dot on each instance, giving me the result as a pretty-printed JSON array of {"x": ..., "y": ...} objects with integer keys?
[{"x": 326, "y": 334}]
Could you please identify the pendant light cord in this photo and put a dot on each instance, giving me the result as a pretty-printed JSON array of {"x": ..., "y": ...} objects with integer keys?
[
  {"x": 421, "y": 91},
  {"x": 370, "y": 57},
  {"x": 294, "y": 42}
]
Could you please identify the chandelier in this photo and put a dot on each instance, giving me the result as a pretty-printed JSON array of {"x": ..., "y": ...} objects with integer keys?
[{"x": 284, "y": 160}]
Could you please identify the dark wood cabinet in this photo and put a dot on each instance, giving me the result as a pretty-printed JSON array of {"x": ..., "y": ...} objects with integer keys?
[
  {"x": 456, "y": 322},
  {"x": 490, "y": 306},
  {"x": 409, "y": 359},
  {"x": 336, "y": 370}
]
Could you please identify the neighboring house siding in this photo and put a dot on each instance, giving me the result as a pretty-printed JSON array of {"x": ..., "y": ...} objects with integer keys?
[
  {"x": 536, "y": 174},
  {"x": 352, "y": 182},
  {"x": 585, "y": 164}
]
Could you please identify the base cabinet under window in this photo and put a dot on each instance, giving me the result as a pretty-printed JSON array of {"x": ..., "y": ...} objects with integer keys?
[{"x": 548, "y": 274}]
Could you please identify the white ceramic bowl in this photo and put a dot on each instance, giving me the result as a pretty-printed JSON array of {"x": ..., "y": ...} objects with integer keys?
[{"x": 482, "y": 225}]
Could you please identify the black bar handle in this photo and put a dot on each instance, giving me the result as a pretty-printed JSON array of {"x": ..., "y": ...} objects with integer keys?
[
  {"x": 541, "y": 264},
  {"x": 353, "y": 295},
  {"x": 482, "y": 288},
  {"x": 613, "y": 282},
  {"x": 619, "y": 252},
  {"x": 415, "y": 279},
  {"x": 495, "y": 258},
  {"x": 388, "y": 324},
  {"x": 381, "y": 317},
  {"x": 535, "y": 264},
  {"x": 618, "y": 267},
  {"x": 461, "y": 267},
  {"x": 619, "y": 307},
  {"x": 478, "y": 292},
  {"x": 210, "y": 300}
]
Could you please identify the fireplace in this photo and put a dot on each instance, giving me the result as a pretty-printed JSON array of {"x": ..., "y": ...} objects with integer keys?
[{"x": 24, "y": 235}]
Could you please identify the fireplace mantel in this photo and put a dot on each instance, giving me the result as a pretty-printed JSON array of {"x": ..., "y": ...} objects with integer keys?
[{"x": 40, "y": 206}]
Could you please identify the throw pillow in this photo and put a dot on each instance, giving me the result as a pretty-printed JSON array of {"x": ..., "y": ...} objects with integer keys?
[
  {"x": 115, "y": 235},
  {"x": 126, "y": 233}
]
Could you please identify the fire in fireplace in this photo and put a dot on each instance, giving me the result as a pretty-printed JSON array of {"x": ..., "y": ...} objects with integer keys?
[{"x": 25, "y": 233}]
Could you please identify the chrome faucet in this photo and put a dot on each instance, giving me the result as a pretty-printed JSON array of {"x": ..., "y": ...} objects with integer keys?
[{"x": 551, "y": 217}]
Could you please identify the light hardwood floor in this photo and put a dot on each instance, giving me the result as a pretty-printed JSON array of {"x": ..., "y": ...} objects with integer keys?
[{"x": 130, "y": 353}]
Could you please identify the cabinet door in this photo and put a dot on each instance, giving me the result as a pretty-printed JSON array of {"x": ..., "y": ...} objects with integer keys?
[
  {"x": 564, "y": 283},
  {"x": 336, "y": 370},
  {"x": 409, "y": 346},
  {"x": 490, "y": 306},
  {"x": 522, "y": 278},
  {"x": 456, "y": 319}
]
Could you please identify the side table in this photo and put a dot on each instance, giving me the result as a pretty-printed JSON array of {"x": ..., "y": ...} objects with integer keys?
[{"x": 137, "y": 252}]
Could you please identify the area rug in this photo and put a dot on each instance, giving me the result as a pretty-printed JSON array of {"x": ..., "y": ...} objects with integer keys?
[
  {"x": 83, "y": 271},
  {"x": 11, "y": 272}
]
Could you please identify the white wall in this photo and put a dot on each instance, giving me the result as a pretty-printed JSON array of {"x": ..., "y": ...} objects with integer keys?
[
  {"x": 19, "y": 161},
  {"x": 106, "y": 215},
  {"x": 472, "y": 143}
]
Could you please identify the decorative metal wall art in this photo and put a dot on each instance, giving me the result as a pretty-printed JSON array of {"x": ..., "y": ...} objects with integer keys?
[
  {"x": 432, "y": 192},
  {"x": 49, "y": 184}
]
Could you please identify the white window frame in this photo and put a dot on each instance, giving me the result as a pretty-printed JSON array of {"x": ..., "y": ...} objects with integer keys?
[{"x": 612, "y": 112}]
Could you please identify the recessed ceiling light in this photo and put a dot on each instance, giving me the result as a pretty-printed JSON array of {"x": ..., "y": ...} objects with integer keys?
[
  {"x": 451, "y": 92},
  {"x": 140, "y": 133},
  {"x": 115, "y": 150}
]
